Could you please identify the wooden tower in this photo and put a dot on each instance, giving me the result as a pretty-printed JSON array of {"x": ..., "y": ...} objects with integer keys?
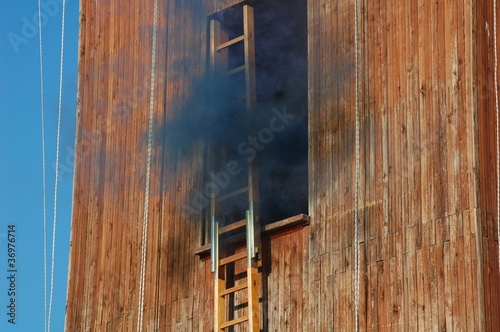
[{"x": 427, "y": 179}]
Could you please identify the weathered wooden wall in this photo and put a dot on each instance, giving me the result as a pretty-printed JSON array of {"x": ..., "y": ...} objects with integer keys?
[
  {"x": 427, "y": 262},
  {"x": 487, "y": 149},
  {"x": 113, "y": 106},
  {"x": 429, "y": 245}
]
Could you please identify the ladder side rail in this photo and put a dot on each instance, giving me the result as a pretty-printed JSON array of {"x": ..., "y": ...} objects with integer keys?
[
  {"x": 253, "y": 226},
  {"x": 249, "y": 42},
  {"x": 253, "y": 299},
  {"x": 214, "y": 245},
  {"x": 218, "y": 63},
  {"x": 250, "y": 237},
  {"x": 219, "y": 301},
  {"x": 217, "y": 59}
]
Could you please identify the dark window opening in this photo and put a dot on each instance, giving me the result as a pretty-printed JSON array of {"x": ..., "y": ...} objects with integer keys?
[
  {"x": 281, "y": 65},
  {"x": 276, "y": 126}
]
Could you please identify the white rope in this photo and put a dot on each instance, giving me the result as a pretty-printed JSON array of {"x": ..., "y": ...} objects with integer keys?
[
  {"x": 57, "y": 165},
  {"x": 44, "y": 180},
  {"x": 148, "y": 174},
  {"x": 356, "y": 191},
  {"x": 497, "y": 120}
]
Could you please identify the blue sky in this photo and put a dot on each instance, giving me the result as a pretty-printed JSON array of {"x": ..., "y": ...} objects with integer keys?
[{"x": 21, "y": 201}]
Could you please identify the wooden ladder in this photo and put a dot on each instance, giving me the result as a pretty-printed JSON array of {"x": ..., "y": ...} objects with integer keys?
[{"x": 219, "y": 50}]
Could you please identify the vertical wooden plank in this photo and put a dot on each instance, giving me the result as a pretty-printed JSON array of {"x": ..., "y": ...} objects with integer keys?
[
  {"x": 306, "y": 283},
  {"x": 397, "y": 306},
  {"x": 343, "y": 312},
  {"x": 383, "y": 319},
  {"x": 323, "y": 132},
  {"x": 331, "y": 129},
  {"x": 344, "y": 135},
  {"x": 313, "y": 119},
  {"x": 337, "y": 308},
  {"x": 363, "y": 290},
  {"x": 335, "y": 116},
  {"x": 452, "y": 64},
  {"x": 372, "y": 311},
  {"x": 282, "y": 296},
  {"x": 465, "y": 135},
  {"x": 349, "y": 290},
  {"x": 434, "y": 292},
  {"x": 324, "y": 292},
  {"x": 461, "y": 284},
  {"x": 448, "y": 288},
  {"x": 425, "y": 93},
  {"x": 274, "y": 285},
  {"x": 471, "y": 288},
  {"x": 494, "y": 278},
  {"x": 413, "y": 273},
  {"x": 383, "y": 224},
  {"x": 441, "y": 168},
  {"x": 315, "y": 322},
  {"x": 295, "y": 282},
  {"x": 439, "y": 252}
]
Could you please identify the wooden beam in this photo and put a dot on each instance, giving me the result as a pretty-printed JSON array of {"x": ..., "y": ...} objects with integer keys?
[
  {"x": 233, "y": 226},
  {"x": 232, "y": 258},
  {"x": 229, "y": 43}
]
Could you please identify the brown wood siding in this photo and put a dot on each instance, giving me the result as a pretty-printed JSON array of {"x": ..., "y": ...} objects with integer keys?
[
  {"x": 429, "y": 249},
  {"x": 115, "y": 60},
  {"x": 488, "y": 180},
  {"x": 419, "y": 195}
]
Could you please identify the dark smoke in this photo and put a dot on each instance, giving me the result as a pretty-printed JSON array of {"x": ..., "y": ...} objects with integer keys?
[{"x": 209, "y": 113}]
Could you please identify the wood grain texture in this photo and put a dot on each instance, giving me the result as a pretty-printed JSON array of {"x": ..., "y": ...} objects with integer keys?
[{"x": 429, "y": 247}]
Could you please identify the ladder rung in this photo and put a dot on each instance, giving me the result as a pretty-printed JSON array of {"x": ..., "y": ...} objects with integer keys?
[
  {"x": 232, "y": 194},
  {"x": 230, "y": 42},
  {"x": 234, "y": 322},
  {"x": 233, "y": 289},
  {"x": 232, "y": 258},
  {"x": 233, "y": 226},
  {"x": 237, "y": 69}
]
